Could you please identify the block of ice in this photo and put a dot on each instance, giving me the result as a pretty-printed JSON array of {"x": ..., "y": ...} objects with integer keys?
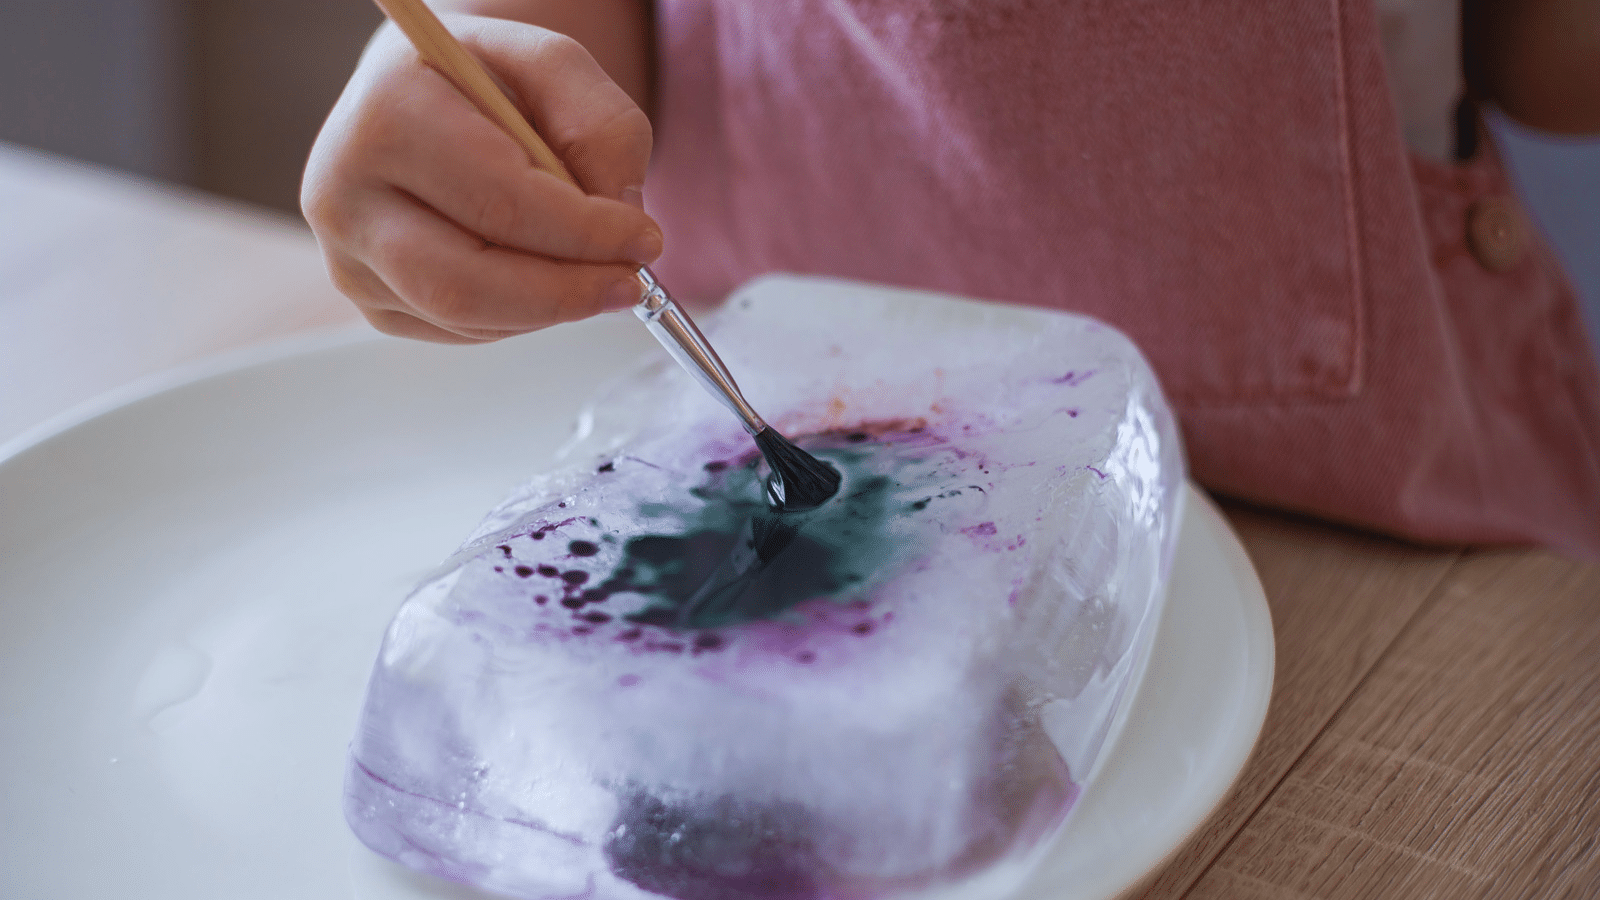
[{"x": 634, "y": 680}]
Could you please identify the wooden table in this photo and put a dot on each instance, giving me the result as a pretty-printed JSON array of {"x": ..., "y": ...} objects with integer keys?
[{"x": 1435, "y": 722}]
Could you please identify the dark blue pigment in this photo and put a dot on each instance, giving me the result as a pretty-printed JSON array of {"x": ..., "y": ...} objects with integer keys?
[
  {"x": 732, "y": 558},
  {"x": 738, "y": 560}
]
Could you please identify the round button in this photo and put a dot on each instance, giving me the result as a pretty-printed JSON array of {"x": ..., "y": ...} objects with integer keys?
[{"x": 1497, "y": 232}]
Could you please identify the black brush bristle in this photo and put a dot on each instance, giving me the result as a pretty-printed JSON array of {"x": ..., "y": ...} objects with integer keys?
[{"x": 799, "y": 480}]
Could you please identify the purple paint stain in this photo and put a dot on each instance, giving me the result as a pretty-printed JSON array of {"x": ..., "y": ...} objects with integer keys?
[
  {"x": 1074, "y": 378},
  {"x": 581, "y": 588},
  {"x": 628, "y": 680},
  {"x": 984, "y": 529},
  {"x": 539, "y": 533},
  {"x": 1097, "y": 472}
]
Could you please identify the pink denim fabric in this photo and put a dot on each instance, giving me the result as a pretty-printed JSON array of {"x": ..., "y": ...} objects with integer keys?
[{"x": 1224, "y": 181}]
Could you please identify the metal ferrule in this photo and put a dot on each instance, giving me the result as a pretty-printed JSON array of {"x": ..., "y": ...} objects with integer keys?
[{"x": 677, "y": 332}]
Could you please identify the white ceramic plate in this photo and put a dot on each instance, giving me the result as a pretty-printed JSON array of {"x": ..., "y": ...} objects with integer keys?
[{"x": 194, "y": 581}]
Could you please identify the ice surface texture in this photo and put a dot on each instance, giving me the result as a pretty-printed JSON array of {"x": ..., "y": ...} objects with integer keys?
[{"x": 634, "y": 681}]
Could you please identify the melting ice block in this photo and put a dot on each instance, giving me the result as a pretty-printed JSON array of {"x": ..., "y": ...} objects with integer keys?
[{"x": 635, "y": 680}]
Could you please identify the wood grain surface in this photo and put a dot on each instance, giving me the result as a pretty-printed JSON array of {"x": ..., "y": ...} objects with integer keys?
[{"x": 1434, "y": 731}]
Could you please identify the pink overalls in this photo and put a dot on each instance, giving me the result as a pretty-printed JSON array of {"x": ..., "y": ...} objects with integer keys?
[{"x": 1224, "y": 181}]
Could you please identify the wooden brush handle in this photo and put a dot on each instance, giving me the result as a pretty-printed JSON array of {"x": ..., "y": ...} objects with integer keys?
[{"x": 440, "y": 49}]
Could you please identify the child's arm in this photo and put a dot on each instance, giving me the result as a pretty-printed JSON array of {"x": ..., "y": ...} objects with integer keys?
[
  {"x": 619, "y": 34},
  {"x": 1538, "y": 60},
  {"x": 435, "y": 223}
]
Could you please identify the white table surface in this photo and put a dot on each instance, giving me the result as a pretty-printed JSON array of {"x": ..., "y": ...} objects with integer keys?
[{"x": 105, "y": 279}]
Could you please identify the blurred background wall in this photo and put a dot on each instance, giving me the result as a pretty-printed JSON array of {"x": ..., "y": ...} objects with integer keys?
[
  {"x": 227, "y": 95},
  {"x": 224, "y": 95}
]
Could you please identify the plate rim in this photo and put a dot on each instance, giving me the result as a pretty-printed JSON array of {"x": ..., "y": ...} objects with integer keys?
[
  {"x": 1262, "y": 647},
  {"x": 172, "y": 378}
]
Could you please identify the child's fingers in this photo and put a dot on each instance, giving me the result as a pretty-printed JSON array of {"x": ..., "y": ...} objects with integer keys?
[
  {"x": 405, "y": 325},
  {"x": 386, "y": 311},
  {"x": 437, "y": 225},
  {"x": 440, "y": 149},
  {"x": 590, "y": 122},
  {"x": 456, "y": 282}
]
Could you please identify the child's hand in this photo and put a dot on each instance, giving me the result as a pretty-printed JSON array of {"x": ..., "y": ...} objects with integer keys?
[{"x": 436, "y": 223}]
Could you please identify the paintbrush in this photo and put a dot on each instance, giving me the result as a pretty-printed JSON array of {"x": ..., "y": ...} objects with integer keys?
[{"x": 799, "y": 480}]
